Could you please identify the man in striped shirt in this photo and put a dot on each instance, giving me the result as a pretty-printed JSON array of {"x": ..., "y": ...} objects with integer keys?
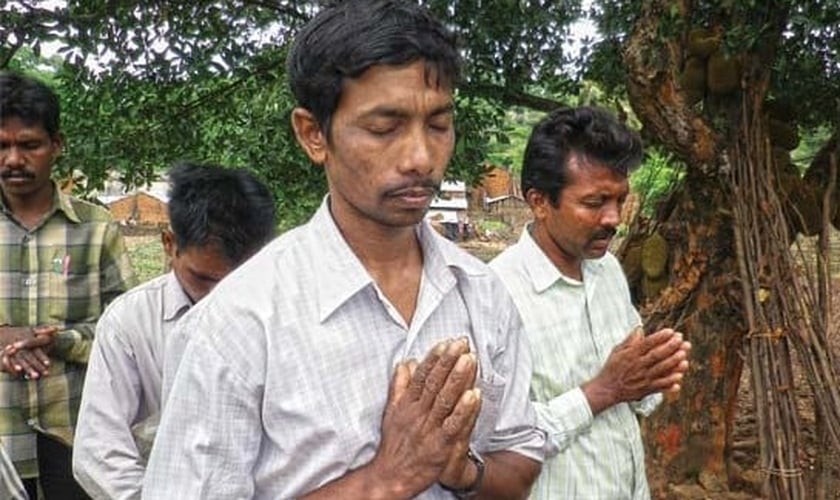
[
  {"x": 61, "y": 261},
  {"x": 592, "y": 376}
]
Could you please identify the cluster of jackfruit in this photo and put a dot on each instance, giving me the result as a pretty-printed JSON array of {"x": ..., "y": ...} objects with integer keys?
[
  {"x": 645, "y": 265},
  {"x": 707, "y": 68}
]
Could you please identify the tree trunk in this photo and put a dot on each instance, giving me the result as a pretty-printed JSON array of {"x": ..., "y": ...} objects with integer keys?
[{"x": 687, "y": 438}]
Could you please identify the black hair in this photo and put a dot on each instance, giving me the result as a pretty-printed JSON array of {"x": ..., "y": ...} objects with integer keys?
[
  {"x": 344, "y": 40},
  {"x": 29, "y": 100},
  {"x": 210, "y": 205},
  {"x": 590, "y": 132}
]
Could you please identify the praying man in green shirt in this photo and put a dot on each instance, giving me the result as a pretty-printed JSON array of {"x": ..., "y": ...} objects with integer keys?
[{"x": 62, "y": 260}]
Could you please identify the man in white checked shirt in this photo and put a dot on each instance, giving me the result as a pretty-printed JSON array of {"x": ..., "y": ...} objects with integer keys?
[
  {"x": 594, "y": 369},
  {"x": 299, "y": 379}
]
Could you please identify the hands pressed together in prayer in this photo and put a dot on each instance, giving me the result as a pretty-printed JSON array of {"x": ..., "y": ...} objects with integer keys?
[
  {"x": 641, "y": 365},
  {"x": 431, "y": 411},
  {"x": 25, "y": 350}
]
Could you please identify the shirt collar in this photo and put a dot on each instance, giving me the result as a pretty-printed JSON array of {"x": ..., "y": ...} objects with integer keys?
[
  {"x": 64, "y": 204},
  {"x": 61, "y": 203},
  {"x": 543, "y": 273},
  {"x": 175, "y": 300},
  {"x": 340, "y": 274}
]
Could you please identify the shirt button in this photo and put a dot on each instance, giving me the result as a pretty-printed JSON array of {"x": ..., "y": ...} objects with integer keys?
[
  {"x": 29, "y": 281},
  {"x": 26, "y": 238}
]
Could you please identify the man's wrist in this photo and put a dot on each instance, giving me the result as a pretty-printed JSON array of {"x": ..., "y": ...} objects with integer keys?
[
  {"x": 475, "y": 479},
  {"x": 382, "y": 484}
]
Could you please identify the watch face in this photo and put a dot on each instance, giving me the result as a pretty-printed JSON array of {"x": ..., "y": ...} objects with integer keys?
[{"x": 475, "y": 457}]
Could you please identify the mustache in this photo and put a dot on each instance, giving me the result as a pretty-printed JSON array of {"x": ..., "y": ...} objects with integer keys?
[
  {"x": 605, "y": 233},
  {"x": 19, "y": 173}
]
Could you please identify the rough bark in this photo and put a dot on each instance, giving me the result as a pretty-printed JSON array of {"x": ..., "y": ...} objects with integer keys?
[{"x": 688, "y": 440}]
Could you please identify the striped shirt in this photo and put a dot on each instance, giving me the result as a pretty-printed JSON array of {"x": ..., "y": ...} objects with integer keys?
[
  {"x": 123, "y": 386},
  {"x": 60, "y": 273},
  {"x": 572, "y": 327},
  {"x": 284, "y": 380}
]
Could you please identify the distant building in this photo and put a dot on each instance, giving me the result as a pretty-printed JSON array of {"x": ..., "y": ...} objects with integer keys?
[
  {"x": 495, "y": 183},
  {"x": 144, "y": 208},
  {"x": 450, "y": 205},
  {"x": 448, "y": 211}
]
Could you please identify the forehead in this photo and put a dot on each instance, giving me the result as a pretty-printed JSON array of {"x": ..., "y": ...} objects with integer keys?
[
  {"x": 414, "y": 85},
  {"x": 17, "y": 126},
  {"x": 206, "y": 260},
  {"x": 586, "y": 175}
]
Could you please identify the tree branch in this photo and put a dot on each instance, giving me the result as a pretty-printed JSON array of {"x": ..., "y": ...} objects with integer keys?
[{"x": 510, "y": 97}]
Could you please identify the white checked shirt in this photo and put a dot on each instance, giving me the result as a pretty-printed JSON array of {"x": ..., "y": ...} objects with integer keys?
[
  {"x": 284, "y": 379},
  {"x": 572, "y": 327},
  {"x": 123, "y": 386}
]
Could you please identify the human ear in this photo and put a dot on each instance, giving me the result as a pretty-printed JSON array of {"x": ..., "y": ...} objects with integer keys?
[
  {"x": 309, "y": 135},
  {"x": 167, "y": 239},
  {"x": 58, "y": 146},
  {"x": 538, "y": 202}
]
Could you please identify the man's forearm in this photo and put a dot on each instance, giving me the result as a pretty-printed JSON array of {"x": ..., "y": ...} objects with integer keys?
[
  {"x": 508, "y": 475},
  {"x": 74, "y": 343},
  {"x": 363, "y": 482}
]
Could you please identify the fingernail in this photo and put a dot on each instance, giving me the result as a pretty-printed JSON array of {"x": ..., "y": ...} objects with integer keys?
[
  {"x": 463, "y": 362},
  {"x": 440, "y": 348}
]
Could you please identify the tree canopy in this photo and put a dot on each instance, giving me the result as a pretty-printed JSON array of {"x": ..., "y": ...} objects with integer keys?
[{"x": 147, "y": 83}]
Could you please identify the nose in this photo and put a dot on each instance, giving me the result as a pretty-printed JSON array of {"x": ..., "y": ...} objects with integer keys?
[
  {"x": 611, "y": 215},
  {"x": 417, "y": 154},
  {"x": 12, "y": 156}
]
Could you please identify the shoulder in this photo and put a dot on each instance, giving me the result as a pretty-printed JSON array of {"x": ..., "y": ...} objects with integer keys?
[
  {"x": 510, "y": 266},
  {"x": 508, "y": 259},
  {"x": 135, "y": 302},
  {"x": 89, "y": 212}
]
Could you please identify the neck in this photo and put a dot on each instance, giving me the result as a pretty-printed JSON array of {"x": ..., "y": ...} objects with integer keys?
[
  {"x": 29, "y": 208},
  {"x": 381, "y": 248},
  {"x": 391, "y": 255},
  {"x": 567, "y": 264}
]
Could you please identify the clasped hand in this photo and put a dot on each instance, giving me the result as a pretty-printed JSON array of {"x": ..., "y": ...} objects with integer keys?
[
  {"x": 639, "y": 366},
  {"x": 24, "y": 350},
  {"x": 429, "y": 418}
]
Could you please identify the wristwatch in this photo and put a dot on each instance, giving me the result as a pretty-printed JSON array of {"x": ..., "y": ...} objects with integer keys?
[{"x": 472, "y": 489}]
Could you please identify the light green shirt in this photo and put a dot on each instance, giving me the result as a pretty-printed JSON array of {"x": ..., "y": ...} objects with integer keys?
[
  {"x": 572, "y": 327},
  {"x": 61, "y": 273}
]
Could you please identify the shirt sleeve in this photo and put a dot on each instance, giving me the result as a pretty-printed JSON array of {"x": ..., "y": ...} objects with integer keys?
[
  {"x": 647, "y": 405},
  {"x": 517, "y": 429},
  {"x": 564, "y": 418},
  {"x": 106, "y": 461},
  {"x": 210, "y": 430},
  {"x": 73, "y": 344}
]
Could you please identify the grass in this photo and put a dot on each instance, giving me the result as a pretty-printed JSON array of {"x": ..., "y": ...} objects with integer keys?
[{"x": 147, "y": 257}]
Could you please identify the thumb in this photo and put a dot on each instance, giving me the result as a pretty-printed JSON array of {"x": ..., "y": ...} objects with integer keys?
[
  {"x": 399, "y": 381},
  {"x": 45, "y": 330},
  {"x": 635, "y": 335}
]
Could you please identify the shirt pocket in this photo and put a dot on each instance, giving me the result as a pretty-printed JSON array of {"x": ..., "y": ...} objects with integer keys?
[
  {"x": 71, "y": 293},
  {"x": 492, "y": 386}
]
